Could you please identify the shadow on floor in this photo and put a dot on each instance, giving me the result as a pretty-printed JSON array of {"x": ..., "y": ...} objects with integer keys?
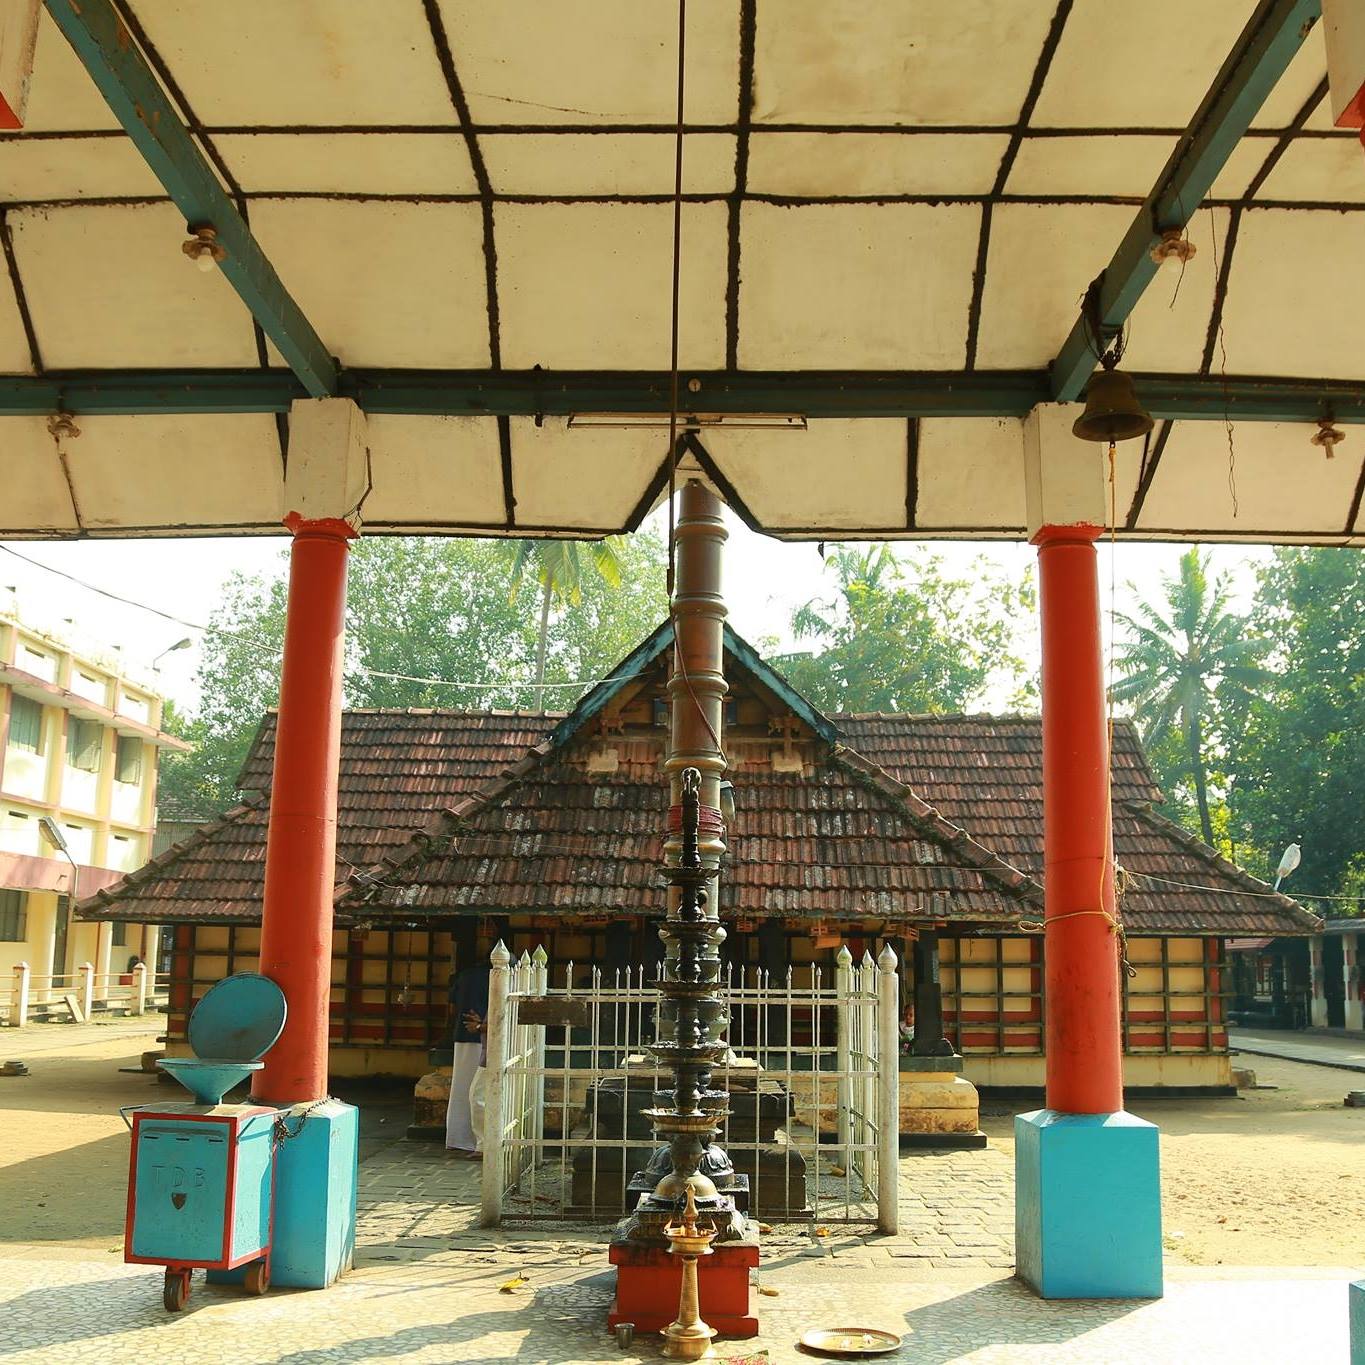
[
  {"x": 76, "y": 1192},
  {"x": 1003, "y": 1313}
]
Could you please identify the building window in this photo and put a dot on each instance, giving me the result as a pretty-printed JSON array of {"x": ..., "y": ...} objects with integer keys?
[
  {"x": 119, "y": 939},
  {"x": 25, "y": 724},
  {"x": 128, "y": 767},
  {"x": 13, "y": 916},
  {"x": 84, "y": 738}
]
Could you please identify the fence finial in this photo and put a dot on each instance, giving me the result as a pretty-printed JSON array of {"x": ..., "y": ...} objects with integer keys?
[
  {"x": 540, "y": 957},
  {"x": 887, "y": 961},
  {"x": 500, "y": 957},
  {"x": 844, "y": 958}
]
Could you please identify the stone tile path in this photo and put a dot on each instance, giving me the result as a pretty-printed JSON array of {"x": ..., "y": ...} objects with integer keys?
[
  {"x": 956, "y": 1212},
  {"x": 431, "y": 1286},
  {"x": 1322, "y": 1049}
]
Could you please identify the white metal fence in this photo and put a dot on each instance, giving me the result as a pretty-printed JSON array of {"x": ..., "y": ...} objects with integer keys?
[
  {"x": 34, "y": 995},
  {"x": 813, "y": 1078}
]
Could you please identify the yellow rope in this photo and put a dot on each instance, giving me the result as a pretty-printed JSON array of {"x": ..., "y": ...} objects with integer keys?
[{"x": 1035, "y": 926}]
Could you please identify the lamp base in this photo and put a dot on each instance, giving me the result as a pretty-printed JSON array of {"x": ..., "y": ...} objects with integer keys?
[{"x": 649, "y": 1284}]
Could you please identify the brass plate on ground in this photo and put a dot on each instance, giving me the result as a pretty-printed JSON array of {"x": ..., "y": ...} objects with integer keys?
[{"x": 850, "y": 1341}]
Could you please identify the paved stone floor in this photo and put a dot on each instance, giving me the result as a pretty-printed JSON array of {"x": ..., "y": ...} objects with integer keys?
[
  {"x": 429, "y": 1287},
  {"x": 1344, "y": 1051}
]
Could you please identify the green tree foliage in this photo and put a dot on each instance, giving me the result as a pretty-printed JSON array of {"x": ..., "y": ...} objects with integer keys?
[
  {"x": 1183, "y": 659},
  {"x": 900, "y": 635},
  {"x": 558, "y": 567},
  {"x": 1298, "y": 760},
  {"x": 427, "y": 609}
]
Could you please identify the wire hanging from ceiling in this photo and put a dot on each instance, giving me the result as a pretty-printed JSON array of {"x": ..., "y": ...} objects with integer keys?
[
  {"x": 674, "y": 324},
  {"x": 1223, "y": 374}
]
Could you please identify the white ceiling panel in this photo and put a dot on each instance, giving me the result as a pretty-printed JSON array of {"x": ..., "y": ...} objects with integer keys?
[
  {"x": 14, "y": 352},
  {"x": 1328, "y": 169},
  {"x": 1296, "y": 86},
  {"x": 607, "y": 163},
  {"x": 1121, "y": 66},
  {"x": 855, "y": 286},
  {"x": 349, "y": 163},
  {"x": 1295, "y": 275},
  {"x": 819, "y": 164},
  {"x": 166, "y": 471},
  {"x": 36, "y": 497},
  {"x": 260, "y": 62},
  {"x": 590, "y": 477},
  {"x": 1115, "y": 164},
  {"x": 971, "y": 473},
  {"x": 434, "y": 470},
  {"x": 1283, "y": 482},
  {"x": 1169, "y": 327},
  {"x": 75, "y": 168},
  {"x": 108, "y": 286},
  {"x": 845, "y": 61},
  {"x": 1242, "y": 167},
  {"x": 61, "y": 95},
  {"x": 1091, "y": 166},
  {"x": 611, "y": 61},
  {"x": 1042, "y": 259},
  {"x": 846, "y": 475},
  {"x": 383, "y": 283},
  {"x": 588, "y": 285}
]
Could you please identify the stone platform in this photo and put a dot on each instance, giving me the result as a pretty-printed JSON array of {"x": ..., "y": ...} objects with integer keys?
[{"x": 939, "y": 1106}]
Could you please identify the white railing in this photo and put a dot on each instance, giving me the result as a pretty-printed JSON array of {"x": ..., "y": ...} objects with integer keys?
[
  {"x": 33, "y": 994},
  {"x": 814, "y": 1114}
]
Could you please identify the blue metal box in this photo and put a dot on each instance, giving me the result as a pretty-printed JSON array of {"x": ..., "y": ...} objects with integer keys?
[{"x": 201, "y": 1191}]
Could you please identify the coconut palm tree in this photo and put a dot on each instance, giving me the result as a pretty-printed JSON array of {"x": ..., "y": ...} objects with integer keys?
[
  {"x": 558, "y": 567},
  {"x": 1180, "y": 655}
]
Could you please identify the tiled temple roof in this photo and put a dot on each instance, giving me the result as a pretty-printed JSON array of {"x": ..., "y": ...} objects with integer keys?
[{"x": 903, "y": 817}]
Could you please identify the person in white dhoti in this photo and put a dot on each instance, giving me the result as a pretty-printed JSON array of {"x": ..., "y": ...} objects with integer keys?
[{"x": 464, "y": 1114}]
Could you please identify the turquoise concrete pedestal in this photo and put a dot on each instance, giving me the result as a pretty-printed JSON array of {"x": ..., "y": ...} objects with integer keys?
[
  {"x": 315, "y": 1189},
  {"x": 1087, "y": 1205},
  {"x": 1357, "y": 1293}
]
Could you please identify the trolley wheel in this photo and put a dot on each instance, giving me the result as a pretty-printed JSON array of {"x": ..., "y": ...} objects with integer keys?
[
  {"x": 176, "y": 1290},
  {"x": 257, "y": 1277}
]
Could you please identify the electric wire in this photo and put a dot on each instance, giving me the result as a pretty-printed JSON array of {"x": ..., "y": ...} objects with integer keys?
[
  {"x": 484, "y": 684},
  {"x": 1258, "y": 895}
]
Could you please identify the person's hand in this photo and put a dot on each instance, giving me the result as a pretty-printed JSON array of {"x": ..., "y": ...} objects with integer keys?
[{"x": 473, "y": 1023}]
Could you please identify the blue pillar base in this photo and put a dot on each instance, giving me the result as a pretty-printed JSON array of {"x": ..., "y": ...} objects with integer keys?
[
  {"x": 1087, "y": 1205},
  {"x": 315, "y": 1190},
  {"x": 1357, "y": 1294}
]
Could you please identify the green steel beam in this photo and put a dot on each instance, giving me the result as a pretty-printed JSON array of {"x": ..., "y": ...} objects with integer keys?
[
  {"x": 108, "y": 52},
  {"x": 1273, "y": 34},
  {"x": 533, "y": 393}
]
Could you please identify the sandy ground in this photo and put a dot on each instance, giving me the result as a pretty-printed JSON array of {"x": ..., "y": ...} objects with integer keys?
[{"x": 1271, "y": 1178}]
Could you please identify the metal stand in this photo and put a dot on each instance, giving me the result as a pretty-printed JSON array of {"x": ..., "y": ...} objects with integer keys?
[{"x": 690, "y": 1115}]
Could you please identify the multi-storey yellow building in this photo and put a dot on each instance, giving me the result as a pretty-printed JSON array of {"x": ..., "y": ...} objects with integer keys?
[{"x": 78, "y": 745}]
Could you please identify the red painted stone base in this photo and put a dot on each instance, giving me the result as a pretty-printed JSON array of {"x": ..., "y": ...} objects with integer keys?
[{"x": 649, "y": 1283}]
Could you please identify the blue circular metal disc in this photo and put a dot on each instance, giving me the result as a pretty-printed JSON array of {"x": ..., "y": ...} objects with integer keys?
[{"x": 239, "y": 1019}]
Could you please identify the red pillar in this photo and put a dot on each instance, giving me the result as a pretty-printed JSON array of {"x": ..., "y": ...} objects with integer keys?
[
  {"x": 300, "y": 856},
  {"x": 1084, "y": 1055}
]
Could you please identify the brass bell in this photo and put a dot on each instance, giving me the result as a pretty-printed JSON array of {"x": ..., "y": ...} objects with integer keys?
[{"x": 1112, "y": 411}]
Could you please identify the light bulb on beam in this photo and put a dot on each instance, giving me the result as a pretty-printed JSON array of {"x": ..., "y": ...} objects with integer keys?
[{"x": 204, "y": 248}]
